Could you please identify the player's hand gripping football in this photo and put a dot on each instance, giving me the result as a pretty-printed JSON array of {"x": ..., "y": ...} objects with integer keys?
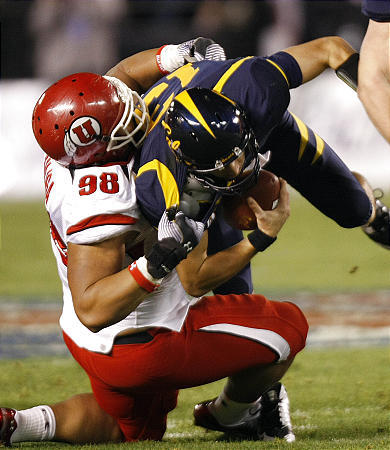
[
  {"x": 177, "y": 236},
  {"x": 270, "y": 222}
]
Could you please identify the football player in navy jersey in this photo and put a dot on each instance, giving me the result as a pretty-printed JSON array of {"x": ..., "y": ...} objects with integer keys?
[
  {"x": 260, "y": 86},
  {"x": 374, "y": 65}
]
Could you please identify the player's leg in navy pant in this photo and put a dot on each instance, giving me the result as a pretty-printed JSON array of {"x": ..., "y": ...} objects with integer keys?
[{"x": 310, "y": 166}]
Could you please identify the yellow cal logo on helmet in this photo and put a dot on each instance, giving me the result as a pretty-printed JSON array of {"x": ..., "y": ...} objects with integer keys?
[{"x": 174, "y": 145}]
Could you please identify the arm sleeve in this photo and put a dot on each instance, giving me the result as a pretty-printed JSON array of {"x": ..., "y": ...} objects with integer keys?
[
  {"x": 288, "y": 67},
  {"x": 378, "y": 10},
  {"x": 262, "y": 87}
]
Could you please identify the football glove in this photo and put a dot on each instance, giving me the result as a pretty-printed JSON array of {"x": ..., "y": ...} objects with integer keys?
[
  {"x": 177, "y": 236},
  {"x": 201, "y": 48},
  {"x": 171, "y": 57},
  {"x": 175, "y": 224}
]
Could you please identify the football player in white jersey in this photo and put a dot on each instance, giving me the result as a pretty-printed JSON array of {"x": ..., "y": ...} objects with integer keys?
[{"x": 137, "y": 326}]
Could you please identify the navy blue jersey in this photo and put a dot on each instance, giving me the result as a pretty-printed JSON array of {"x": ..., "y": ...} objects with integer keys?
[
  {"x": 378, "y": 10},
  {"x": 260, "y": 85}
]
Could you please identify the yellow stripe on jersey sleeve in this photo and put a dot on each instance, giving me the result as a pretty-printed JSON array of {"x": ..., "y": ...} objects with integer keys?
[
  {"x": 280, "y": 70},
  {"x": 304, "y": 135},
  {"x": 166, "y": 179},
  {"x": 221, "y": 83},
  {"x": 320, "y": 144}
]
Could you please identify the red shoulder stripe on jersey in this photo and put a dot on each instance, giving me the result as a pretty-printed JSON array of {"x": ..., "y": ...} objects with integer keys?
[{"x": 102, "y": 219}]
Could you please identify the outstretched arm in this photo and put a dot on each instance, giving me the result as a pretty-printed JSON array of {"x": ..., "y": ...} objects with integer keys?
[
  {"x": 142, "y": 70},
  {"x": 374, "y": 75},
  {"x": 139, "y": 71},
  {"x": 315, "y": 56}
]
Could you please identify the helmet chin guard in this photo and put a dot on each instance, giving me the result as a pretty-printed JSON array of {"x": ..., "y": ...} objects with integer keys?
[{"x": 87, "y": 119}]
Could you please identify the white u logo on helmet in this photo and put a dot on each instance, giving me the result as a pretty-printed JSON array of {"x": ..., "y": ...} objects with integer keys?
[{"x": 84, "y": 131}]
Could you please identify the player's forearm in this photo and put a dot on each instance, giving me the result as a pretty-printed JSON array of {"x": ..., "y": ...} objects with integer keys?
[
  {"x": 374, "y": 76},
  {"x": 216, "y": 269},
  {"x": 320, "y": 54},
  {"x": 139, "y": 71},
  {"x": 103, "y": 292},
  {"x": 376, "y": 101},
  {"x": 108, "y": 301}
]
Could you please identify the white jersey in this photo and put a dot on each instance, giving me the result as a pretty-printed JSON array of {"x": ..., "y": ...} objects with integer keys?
[{"x": 90, "y": 205}]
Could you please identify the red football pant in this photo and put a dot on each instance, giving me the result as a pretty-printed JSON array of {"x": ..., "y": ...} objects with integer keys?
[{"x": 138, "y": 383}]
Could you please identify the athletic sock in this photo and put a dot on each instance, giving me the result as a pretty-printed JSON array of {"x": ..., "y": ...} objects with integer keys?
[
  {"x": 34, "y": 424},
  {"x": 231, "y": 413}
]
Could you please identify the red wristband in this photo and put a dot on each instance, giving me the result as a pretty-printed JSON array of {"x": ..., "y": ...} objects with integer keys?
[
  {"x": 158, "y": 61},
  {"x": 141, "y": 279}
]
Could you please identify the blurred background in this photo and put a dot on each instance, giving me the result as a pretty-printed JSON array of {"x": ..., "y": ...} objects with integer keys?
[{"x": 44, "y": 40}]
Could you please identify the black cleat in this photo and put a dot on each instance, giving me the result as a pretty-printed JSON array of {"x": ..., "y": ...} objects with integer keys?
[
  {"x": 379, "y": 229},
  {"x": 247, "y": 430},
  {"x": 268, "y": 420},
  {"x": 275, "y": 419}
]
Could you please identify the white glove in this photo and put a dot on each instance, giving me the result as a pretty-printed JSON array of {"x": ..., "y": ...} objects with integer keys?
[
  {"x": 171, "y": 225},
  {"x": 201, "y": 48},
  {"x": 171, "y": 57}
]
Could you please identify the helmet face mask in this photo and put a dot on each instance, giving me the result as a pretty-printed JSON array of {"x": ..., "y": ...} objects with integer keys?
[
  {"x": 86, "y": 119},
  {"x": 136, "y": 111},
  {"x": 208, "y": 132},
  {"x": 245, "y": 179}
]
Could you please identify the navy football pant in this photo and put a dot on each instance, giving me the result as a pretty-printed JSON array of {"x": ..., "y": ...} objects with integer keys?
[{"x": 310, "y": 166}]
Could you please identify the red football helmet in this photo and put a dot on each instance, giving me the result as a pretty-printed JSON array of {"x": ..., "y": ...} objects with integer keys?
[{"x": 87, "y": 119}]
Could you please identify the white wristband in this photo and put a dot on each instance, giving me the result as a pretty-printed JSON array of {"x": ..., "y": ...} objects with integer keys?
[
  {"x": 142, "y": 264},
  {"x": 170, "y": 59}
]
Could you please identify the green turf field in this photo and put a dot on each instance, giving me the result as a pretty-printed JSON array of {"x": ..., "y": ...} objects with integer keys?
[
  {"x": 340, "y": 399},
  {"x": 312, "y": 254}
]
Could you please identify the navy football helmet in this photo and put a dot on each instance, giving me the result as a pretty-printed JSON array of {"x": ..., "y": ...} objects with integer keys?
[{"x": 207, "y": 131}]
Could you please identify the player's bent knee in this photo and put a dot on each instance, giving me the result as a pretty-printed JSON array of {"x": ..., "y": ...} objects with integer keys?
[
  {"x": 357, "y": 213},
  {"x": 295, "y": 327}
]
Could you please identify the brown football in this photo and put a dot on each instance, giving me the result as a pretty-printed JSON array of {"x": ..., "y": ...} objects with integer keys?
[{"x": 236, "y": 210}]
